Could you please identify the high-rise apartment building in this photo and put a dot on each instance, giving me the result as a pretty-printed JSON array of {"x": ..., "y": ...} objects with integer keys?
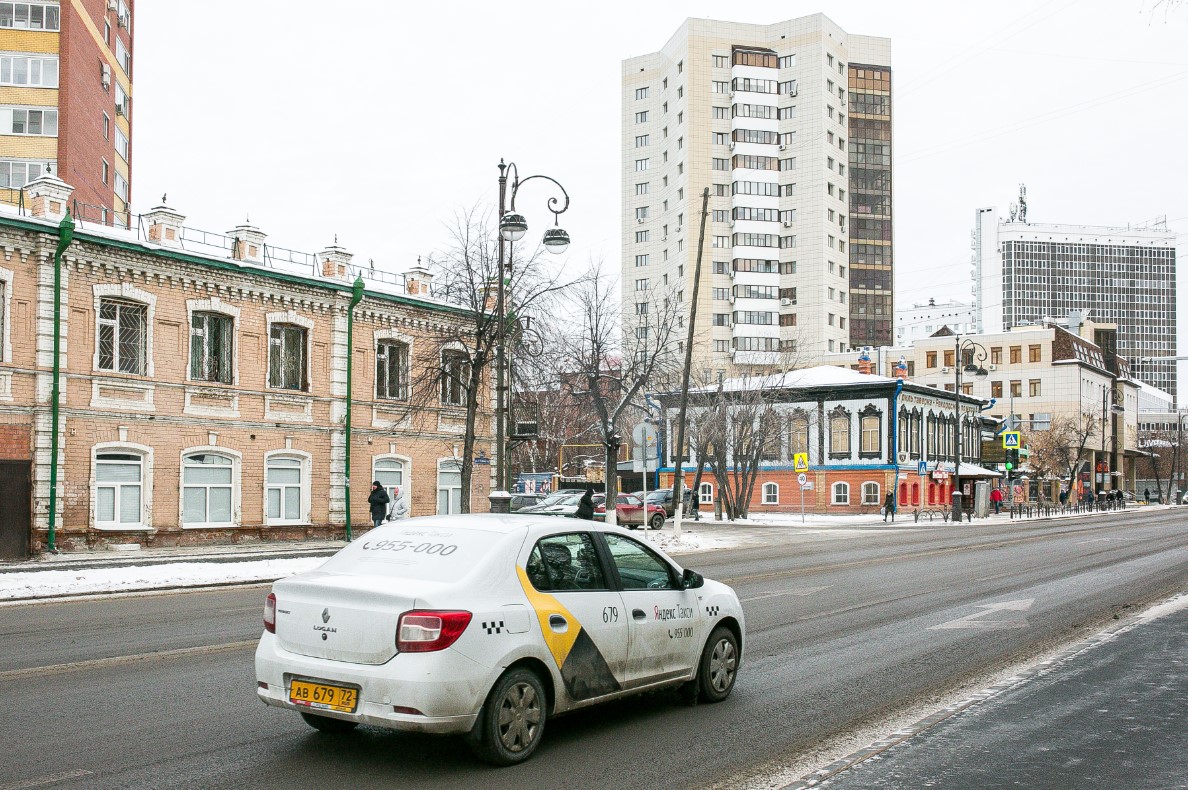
[
  {"x": 65, "y": 101},
  {"x": 788, "y": 127},
  {"x": 1026, "y": 272}
]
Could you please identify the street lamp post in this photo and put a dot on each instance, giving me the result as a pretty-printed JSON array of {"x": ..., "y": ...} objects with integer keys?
[
  {"x": 512, "y": 227},
  {"x": 977, "y": 353}
]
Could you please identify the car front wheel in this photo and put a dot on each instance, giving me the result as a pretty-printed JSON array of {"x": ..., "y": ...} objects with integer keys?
[
  {"x": 657, "y": 521},
  {"x": 719, "y": 665},
  {"x": 512, "y": 721},
  {"x": 327, "y": 724}
]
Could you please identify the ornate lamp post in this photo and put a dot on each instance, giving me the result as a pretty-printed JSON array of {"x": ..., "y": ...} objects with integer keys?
[
  {"x": 977, "y": 354},
  {"x": 512, "y": 227}
]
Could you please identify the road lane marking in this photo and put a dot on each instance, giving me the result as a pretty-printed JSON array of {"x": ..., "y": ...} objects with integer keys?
[
  {"x": 47, "y": 780},
  {"x": 974, "y": 621},
  {"x": 114, "y": 661},
  {"x": 797, "y": 591}
]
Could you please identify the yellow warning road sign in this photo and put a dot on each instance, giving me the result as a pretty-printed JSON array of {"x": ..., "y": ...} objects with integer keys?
[
  {"x": 1010, "y": 440},
  {"x": 801, "y": 461}
]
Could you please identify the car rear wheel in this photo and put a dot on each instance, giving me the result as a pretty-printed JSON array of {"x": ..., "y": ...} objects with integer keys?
[
  {"x": 327, "y": 724},
  {"x": 719, "y": 665},
  {"x": 657, "y": 521},
  {"x": 512, "y": 721}
]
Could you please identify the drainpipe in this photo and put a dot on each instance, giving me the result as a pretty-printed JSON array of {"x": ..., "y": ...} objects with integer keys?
[
  {"x": 65, "y": 236},
  {"x": 356, "y": 297}
]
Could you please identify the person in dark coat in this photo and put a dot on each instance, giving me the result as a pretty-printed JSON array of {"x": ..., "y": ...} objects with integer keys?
[
  {"x": 585, "y": 508},
  {"x": 889, "y": 506},
  {"x": 378, "y": 499}
]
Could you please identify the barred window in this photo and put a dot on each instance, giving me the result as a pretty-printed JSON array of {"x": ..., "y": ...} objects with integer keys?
[
  {"x": 211, "y": 347},
  {"x": 391, "y": 370},
  {"x": 123, "y": 336}
]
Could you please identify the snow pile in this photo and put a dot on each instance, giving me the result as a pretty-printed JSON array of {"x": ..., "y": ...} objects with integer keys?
[{"x": 37, "y": 584}]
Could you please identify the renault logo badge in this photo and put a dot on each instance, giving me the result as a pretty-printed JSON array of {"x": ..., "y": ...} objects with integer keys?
[{"x": 325, "y": 615}]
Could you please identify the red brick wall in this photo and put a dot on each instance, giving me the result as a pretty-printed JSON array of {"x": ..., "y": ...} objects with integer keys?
[
  {"x": 14, "y": 442},
  {"x": 82, "y": 102}
]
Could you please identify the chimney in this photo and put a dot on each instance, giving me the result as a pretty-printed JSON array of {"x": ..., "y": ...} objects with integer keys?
[
  {"x": 418, "y": 281},
  {"x": 48, "y": 196},
  {"x": 335, "y": 260},
  {"x": 249, "y": 242},
  {"x": 164, "y": 225},
  {"x": 901, "y": 368},
  {"x": 865, "y": 366}
]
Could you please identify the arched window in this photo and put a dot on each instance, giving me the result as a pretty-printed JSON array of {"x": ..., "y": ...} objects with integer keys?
[
  {"x": 390, "y": 472},
  {"x": 870, "y": 493},
  {"x": 798, "y": 435},
  {"x": 208, "y": 490},
  {"x": 286, "y": 490},
  {"x": 705, "y": 494},
  {"x": 449, "y": 486},
  {"x": 771, "y": 494},
  {"x": 841, "y": 493},
  {"x": 119, "y": 490}
]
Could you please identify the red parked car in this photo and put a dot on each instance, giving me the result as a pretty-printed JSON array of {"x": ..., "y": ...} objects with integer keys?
[{"x": 630, "y": 512}]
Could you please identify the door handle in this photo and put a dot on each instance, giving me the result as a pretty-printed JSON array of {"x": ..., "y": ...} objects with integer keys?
[
  {"x": 558, "y": 623},
  {"x": 639, "y": 614}
]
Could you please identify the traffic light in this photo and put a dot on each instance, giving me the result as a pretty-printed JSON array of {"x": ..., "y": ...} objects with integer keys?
[{"x": 1012, "y": 459}]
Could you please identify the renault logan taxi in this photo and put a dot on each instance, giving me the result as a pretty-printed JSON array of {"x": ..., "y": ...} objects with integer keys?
[{"x": 489, "y": 625}]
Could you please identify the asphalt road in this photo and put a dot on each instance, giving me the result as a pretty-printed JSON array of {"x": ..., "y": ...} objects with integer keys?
[{"x": 845, "y": 627}]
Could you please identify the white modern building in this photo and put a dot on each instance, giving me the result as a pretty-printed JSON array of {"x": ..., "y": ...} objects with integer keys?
[
  {"x": 788, "y": 127},
  {"x": 1025, "y": 273},
  {"x": 923, "y": 320}
]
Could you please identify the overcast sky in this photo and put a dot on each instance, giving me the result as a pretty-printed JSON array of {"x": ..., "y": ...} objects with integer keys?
[{"x": 377, "y": 121}]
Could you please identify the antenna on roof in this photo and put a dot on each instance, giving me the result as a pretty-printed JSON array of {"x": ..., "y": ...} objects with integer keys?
[{"x": 1023, "y": 203}]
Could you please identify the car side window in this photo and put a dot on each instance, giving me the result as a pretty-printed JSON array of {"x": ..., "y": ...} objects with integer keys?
[
  {"x": 565, "y": 562},
  {"x": 639, "y": 568}
]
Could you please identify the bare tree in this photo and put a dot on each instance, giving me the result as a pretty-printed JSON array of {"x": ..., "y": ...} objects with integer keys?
[
  {"x": 459, "y": 356},
  {"x": 1163, "y": 465},
  {"x": 1060, "y": 449},
  {"x": 607, "y": 369}
]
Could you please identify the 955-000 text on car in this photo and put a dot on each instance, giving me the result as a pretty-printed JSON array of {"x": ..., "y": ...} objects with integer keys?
[{"x": 489, "y": 625}]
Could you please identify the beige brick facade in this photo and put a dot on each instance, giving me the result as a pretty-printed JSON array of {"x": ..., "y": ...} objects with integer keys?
[{"x": 153, "y": 416}]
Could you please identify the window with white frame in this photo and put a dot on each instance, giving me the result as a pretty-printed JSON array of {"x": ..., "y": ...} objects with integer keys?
[
  {"x": 841, "y": 493},
  {"x": 123, "y": 336},
  {"x": 285, "y": 481},
  {"x": 121, "y": 144},
  {"x": 33, "y": 71},
  {"x": 771, "y": 493},
  {"x": 870, "y": 493},
  {"x": 211, "y": 347},
  {"x": 391, "y": 370},
  {"x": 207, "y": 490},
  {"x": 390, "y": 474},
  {"x": 31, "y": 16},
  {"x": 705, "y": 494},
  {"x": 15, "y": 174},
  {"x": 871, "y": 434},
  {"x": 121, "y": 187},
  {"x": 29, "y": 121},
  {"x": 839, "y": 434},
  {"x": 449, "y": 486},
  {"x": 123, "y": 55},
  {"x": 119, "y": 490},
  {"x": 287, "y": 357}
]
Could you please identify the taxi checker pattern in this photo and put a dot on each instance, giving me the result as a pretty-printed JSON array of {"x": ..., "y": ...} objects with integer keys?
[
  {"x": 494, "y": 627},
  {"x": 712, "y": 611}
]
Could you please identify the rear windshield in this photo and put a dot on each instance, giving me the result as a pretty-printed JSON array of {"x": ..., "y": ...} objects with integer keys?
[{"x": 421, "y": 553}]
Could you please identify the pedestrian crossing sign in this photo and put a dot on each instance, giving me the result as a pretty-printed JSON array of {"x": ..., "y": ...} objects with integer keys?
[
  {"x": 1010, "y": 440},
  {"x": 801, "y": 461}
]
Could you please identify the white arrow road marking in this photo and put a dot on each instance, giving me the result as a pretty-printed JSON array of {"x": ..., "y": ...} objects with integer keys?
[
  {"x": 974, "y": 621},
  {"x": 797, "y": 591}
]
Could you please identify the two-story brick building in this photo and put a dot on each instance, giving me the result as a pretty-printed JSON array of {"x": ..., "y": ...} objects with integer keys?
[{"x": 204, "y": 383}]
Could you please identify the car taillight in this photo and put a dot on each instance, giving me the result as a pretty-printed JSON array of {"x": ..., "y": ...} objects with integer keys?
[
  {"x": 270, "y": 613},
  {"x": 422, "y": 631}
]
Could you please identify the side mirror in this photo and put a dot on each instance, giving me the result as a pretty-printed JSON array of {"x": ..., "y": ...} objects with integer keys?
[{"x": 691, "y": 580}]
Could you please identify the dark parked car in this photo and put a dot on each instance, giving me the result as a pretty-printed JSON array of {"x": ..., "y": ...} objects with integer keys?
[
  {"x": 663, "y": 498},
  {"x": 519, "y": 501}
]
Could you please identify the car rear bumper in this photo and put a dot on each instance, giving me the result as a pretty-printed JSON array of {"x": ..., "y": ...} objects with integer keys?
[{"x": 445, "y": 688}]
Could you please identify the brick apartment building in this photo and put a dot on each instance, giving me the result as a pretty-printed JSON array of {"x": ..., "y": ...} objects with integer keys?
[
  {"x": 203, "y": 390},
  {"x": 65, "y": 101}
]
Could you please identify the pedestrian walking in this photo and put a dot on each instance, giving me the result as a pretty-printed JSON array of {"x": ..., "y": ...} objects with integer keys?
[
  {"x": 889, "y": 507},
  {"x": 996, "y": 500},
  {"x": 399, "y": 507},
  {"x": 378, "y": 499},
  {"x": 1063, "y": 497},
  {"x": 694, "y": 506},
  {"x": 585, "y": 508},
  {"x": 1147, "y": 495}
]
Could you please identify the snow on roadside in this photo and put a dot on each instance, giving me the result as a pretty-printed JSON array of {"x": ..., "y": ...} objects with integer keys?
[{"x": 89, "y": 581}]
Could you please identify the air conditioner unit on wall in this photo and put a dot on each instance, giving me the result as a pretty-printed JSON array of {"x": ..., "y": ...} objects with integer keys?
[
  {"x": 787, "y": 302},
  {"x": 122, "y": 20},
  {"x": 105, "y": 76},
  {"x": 112, "y": 5},
  {"x": 787, "y": 224},
  {"x": 992, "y": 367},
  {"x": 122, "y": 108}
]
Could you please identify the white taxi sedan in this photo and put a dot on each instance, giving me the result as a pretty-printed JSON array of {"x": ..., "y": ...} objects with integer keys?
[{"x": 489, "y": 625}]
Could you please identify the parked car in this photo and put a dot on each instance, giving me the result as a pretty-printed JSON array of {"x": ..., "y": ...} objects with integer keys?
[
  {"x": 564, "y": 505},
  {"x": 663, "y": 498},
  {"x": 629, "y": 512},
  {"x": 489, "y": 626},
  {"x": 549, "y": 501},
  {"x": 521, "y": 501}
]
